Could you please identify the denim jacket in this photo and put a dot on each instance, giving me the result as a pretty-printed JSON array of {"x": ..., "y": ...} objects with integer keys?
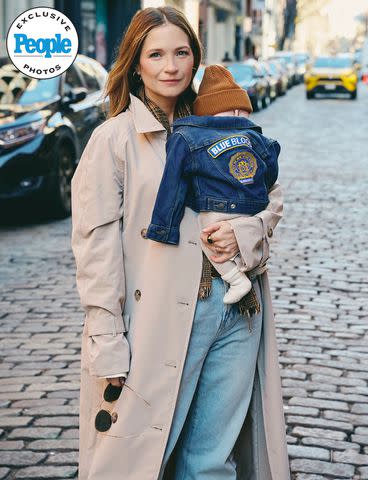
[{"x": 221, "y": 164}]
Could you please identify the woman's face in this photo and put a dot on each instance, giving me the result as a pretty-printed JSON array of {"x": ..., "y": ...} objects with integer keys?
[{"x": 166, "y": 63}]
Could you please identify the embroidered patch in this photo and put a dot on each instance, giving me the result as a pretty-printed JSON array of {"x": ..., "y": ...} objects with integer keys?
[
  {"x": 228, "y": 143},
  {"x": 243, "y": 166}
]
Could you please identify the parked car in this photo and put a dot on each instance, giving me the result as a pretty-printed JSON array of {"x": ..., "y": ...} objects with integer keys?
[
  {"x": 44, "y": 126},
  {"x": 302, "y": 60},
  {"x": 262, "y": 81},
  {"x": 290, "y": 62},
  {"x": 332, "y": 75},
  {"x": 281, "y": 75},
  {"x": 271, "y": 78},
  {"x": 198, "y": 77},
  {"x": 247, "y": 77}
]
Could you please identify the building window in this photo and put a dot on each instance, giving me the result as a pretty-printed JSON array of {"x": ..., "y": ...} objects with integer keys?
[{"x": 88, "y": 34}]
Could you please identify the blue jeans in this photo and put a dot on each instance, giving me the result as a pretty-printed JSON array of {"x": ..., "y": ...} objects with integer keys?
[{"x": 215, "y": 388}]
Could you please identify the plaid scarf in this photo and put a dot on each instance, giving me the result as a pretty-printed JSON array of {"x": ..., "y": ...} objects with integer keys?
[
  {"x": 181, "y": 110},
  {"x": 249, "y": 304}
]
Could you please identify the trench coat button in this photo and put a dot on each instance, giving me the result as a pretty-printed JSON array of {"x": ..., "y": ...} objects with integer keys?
[
  {"x": 137, "y": 295},
  {"x": 114, "y": 417},
  {"x": 233, "y": 205},
  {"x": 270, "y": 231},
  {"x": 144, "y": 233}
]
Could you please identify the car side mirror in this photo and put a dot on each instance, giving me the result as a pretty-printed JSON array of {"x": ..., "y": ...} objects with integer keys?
[{"x": 75, "y": 95}]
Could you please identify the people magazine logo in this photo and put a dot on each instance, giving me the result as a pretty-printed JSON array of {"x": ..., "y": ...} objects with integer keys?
[{"x": 42, "y": 42}]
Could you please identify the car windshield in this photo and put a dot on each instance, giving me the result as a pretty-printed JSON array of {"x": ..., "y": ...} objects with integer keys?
[
  {"x": 300, "y": 58},
  {"x": 273, "y": 68},
  {"x": 241, "y": 72},
  {"x": 332, "y": 62},
  {"x": 16, "y": 88},
  {"x": 280, "y": 60},
  {"x": 284, "y": 58}
]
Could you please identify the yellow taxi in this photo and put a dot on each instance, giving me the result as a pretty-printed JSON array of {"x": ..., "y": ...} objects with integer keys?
[{"x": 331, "y": 75}]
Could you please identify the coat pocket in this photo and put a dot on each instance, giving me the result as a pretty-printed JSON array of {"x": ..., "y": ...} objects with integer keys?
[{"x": 132, "y": 414}]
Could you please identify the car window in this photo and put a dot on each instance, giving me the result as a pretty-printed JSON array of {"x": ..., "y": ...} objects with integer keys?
[
  {"x": 72, "y": 80},
  {"x": 264, "y": 69},
  {"x": 241, "y": 72},
  {"x": 89, "y": 76},
  {"x": 17, "y": 88},
  {"x": 332, "y": 62},
  {"x": 273, "y": 68}
]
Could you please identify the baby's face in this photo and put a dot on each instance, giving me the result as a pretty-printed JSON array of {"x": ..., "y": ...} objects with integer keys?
[{"x": 233, "y": 113}]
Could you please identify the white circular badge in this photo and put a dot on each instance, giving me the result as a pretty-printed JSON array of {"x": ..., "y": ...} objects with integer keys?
[{"x": 42, "y": 42}]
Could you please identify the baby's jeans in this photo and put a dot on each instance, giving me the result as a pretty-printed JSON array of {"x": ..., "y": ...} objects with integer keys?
[{"x": 215, "y": 388}]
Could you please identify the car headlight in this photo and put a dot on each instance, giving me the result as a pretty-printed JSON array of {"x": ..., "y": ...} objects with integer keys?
[
  {"x": 11, "y": 137},
  {"x": 352, "y": 77}
]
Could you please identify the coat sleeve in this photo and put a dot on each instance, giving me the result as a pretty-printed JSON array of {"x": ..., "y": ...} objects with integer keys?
[
  {"x": 253, "y": 233},
  {"x": 96, "y": 241}
]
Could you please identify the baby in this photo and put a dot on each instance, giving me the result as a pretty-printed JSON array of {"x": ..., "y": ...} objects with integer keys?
[{"x": 220, "y": 165}]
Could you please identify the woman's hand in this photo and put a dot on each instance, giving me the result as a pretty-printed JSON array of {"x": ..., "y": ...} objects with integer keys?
[
  {"x": 224, "y": 243},
  {"x": 116, "y": 381}
]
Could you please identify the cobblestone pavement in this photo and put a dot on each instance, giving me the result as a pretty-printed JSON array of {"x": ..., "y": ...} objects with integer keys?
[{"x": 320, "y": 288}]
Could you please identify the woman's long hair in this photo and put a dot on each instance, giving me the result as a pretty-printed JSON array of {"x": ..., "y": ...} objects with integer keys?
[{"x": 122, "y": 79}]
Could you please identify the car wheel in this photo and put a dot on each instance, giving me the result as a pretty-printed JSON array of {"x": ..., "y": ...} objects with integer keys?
[
  {"x": 57, "y": 194},
  {"x": 353, "y": 95},
  {"x": 266, "y": 101},
  {"x": 256, "y": 104},
  {"x": 309, "y": 95}
]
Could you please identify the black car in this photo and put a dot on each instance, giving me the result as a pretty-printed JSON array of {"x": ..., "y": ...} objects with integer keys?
[
  {"x": 250, "y": 80},
  {"x": 44, "y": 127}
]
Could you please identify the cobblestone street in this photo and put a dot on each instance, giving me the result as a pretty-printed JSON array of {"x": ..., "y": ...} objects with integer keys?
[{"x": 319, "y": 282}]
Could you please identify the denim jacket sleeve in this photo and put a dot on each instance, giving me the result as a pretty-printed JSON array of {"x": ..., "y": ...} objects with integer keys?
[
  {"x": 254, "y": 233},
  {"x": 169, "y": 207},
  {"x": 273, "y": 152},
  {"x": 97, "y": 211}
]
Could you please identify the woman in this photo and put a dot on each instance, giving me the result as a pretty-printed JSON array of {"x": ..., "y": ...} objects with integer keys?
[{"x": 192, "y": 364}]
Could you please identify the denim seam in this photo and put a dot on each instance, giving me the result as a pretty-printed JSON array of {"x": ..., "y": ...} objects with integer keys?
[{"x": 193, "y": 424}]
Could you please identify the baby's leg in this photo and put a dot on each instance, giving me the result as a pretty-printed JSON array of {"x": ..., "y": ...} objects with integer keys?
[{"x": 229, "y": 270}]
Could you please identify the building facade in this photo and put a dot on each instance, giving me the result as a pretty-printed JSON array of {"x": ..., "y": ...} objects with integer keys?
[
  {"x": 100, "y": 23},
  {"x": 312, "y": 28},
  {"x": 228, "y": 29}
]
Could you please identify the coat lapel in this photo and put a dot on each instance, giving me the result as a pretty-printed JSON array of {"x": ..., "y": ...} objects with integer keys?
[{"x": 146, "y": 124}]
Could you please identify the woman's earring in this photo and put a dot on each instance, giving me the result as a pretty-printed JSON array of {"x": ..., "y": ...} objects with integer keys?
[{"x": 138, "y": 77}]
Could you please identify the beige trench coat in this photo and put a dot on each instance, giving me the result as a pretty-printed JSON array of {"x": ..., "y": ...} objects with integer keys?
[{"x": 139, "y": 298}]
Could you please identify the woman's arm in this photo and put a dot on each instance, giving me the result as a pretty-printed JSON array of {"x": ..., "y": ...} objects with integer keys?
[
  {"x": 97, "y": 211},
  {"x": 249, "y": 235}
]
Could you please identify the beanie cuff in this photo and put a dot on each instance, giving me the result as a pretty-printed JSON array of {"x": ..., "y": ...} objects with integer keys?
[{"x": 222, "y": 101}]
